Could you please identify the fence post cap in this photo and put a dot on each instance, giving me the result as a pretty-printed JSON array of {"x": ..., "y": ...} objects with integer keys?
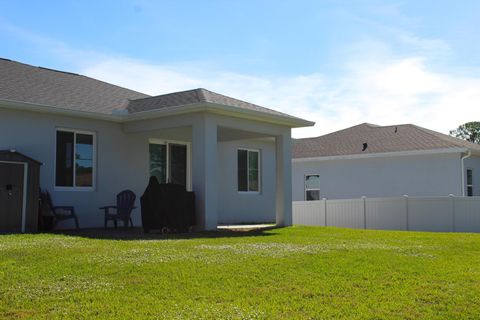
[
  {"x": 363, "y": 197},
  {"x": 405, "y": 195},
  {"x": 324, "y": 198}
]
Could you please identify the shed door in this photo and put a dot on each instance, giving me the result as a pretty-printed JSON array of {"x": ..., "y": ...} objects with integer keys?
[{"x": 11, "y": 197}]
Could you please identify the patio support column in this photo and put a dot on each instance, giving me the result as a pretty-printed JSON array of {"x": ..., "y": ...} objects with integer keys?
[
  {"x": 204, "y": 171},
  {"x": 283, "y": 158}
]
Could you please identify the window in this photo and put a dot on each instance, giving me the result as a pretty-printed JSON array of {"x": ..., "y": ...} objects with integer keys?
[
  {"x": 248, "y": 170},
  {"x": 312, "y": 187},
  {"x": 469, "y": 182},
  {"x": 169, "y": 162},
  {"x": 74, "y": 162},
  {"x": 158, "y": 161}
]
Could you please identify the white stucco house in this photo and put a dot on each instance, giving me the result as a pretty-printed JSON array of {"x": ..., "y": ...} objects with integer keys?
[
  {"x": 384, "y": 161},
  {"x": 96, "y": 139}
]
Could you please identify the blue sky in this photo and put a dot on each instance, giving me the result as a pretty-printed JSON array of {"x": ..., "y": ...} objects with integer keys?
[{"x": 338, "y": 63}]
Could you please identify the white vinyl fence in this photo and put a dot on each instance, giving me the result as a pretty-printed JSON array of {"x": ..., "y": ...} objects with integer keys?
[{"x": 460, "y": 214}]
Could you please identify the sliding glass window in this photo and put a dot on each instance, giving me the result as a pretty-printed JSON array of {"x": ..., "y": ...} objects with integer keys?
[
  {"x": 74, "y": 161},
  {"x": 248, "y": 170}
]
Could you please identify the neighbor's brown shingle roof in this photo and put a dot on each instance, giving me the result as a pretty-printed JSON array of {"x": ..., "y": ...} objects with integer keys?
[
  {"x": 406, "y": 137},
  {"x": 26, "y": 83}
]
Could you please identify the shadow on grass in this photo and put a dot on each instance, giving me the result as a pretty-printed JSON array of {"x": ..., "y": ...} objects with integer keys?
[{"x": 138, "y": 234}]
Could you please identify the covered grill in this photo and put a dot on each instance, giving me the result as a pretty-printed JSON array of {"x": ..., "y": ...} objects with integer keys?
[{"x": 167, "y": 207}]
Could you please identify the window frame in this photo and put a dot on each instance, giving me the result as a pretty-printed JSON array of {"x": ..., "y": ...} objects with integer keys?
[
  {"x": 258, "y": 151},
  {"x": 310, "y": 189},
  {"x": 167, "y": 143},
  {"x": 466, "y": 182},
  {"x": 94, "y": 160}
]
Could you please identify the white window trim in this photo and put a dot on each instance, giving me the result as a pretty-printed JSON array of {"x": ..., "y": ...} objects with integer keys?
[
  {"x": 305, "y": 185},
  {"x": 248, "y": 169},
  {"x": 94, "y": 160},
  {"x": 466, "y": 180},
  {"x": 189, "y": 157}
]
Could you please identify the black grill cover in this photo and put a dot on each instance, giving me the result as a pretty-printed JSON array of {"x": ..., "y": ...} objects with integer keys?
[{"x": 167, "y": 205}]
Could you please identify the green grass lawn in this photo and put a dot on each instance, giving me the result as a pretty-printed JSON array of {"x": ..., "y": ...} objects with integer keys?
[{"x": 289, "y": 273}]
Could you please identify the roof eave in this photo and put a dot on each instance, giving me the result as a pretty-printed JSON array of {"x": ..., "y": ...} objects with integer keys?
[
  {"x": 475, "y": 152},
  {"x": 42, "y": 108},
  {"x": 382, "y": 154},
  {"x": 289, "y": 121},
  {"x": 221, "y": 109},
  {"x": 158, "y": 113}
]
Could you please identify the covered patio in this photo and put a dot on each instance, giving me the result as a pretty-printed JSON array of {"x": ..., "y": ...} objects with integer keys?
[{"x": 212, "y": 140}]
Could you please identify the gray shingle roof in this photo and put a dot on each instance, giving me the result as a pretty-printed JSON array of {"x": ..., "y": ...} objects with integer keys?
[
  {"x": 192, "y": 97},
  {"x": 406, "y": 137},
  {"x": 26, "y": 83},
  {"x": 37, "y": 85}
]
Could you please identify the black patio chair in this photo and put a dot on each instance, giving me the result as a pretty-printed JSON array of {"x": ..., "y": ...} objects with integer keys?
[
  {"x": 123, "y": 209},
  {"x": 59, "y": 213}
]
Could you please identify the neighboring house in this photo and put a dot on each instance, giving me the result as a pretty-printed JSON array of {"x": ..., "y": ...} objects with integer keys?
[
  {"x": 96, "y": 139},
  {"x": 384, "y": 161}
]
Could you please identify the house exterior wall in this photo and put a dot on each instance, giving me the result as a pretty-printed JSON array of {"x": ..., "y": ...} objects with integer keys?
[
  {"x": 235, "y": 207},
  {"x": 473, "y": 163},
  {"x": 122, "y": 162},
  {"x": 414, "y": 175},
  {"x": 121, "y": 159}
]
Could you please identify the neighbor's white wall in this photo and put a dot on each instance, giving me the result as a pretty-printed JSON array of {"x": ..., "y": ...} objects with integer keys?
[
  {"x": 122, "y": 159},
  {"x": 425, "y": 175},
  {"x": 473, "y": 163},
  {"x": 235, "y": 207}
]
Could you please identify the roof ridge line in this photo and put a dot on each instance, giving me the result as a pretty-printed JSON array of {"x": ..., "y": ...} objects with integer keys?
[
  {"x": 344, "y": 129},
  {"x": 55, "y": 70},
  {"x": 201, "y": 94},
  {"x": 368, "y": 124},
  {"x": 457, "y": 141},
  {"x": 241, "y": 101},
  {"x": 166, "y": 94},
  {"x": 112, "y": 84},
  {"x": 75, "y": 74},
  {"x": 427, "y": 131},
  {"x": 392, "y": 125}
]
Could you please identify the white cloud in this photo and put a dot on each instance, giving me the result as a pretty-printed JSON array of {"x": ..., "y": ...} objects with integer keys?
[
  {"x": 390, "y": 91},
  {"x": 374, "y": 85}
]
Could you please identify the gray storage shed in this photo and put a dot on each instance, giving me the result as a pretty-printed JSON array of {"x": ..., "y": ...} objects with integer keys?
[{"x": 19, "y": 192}]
